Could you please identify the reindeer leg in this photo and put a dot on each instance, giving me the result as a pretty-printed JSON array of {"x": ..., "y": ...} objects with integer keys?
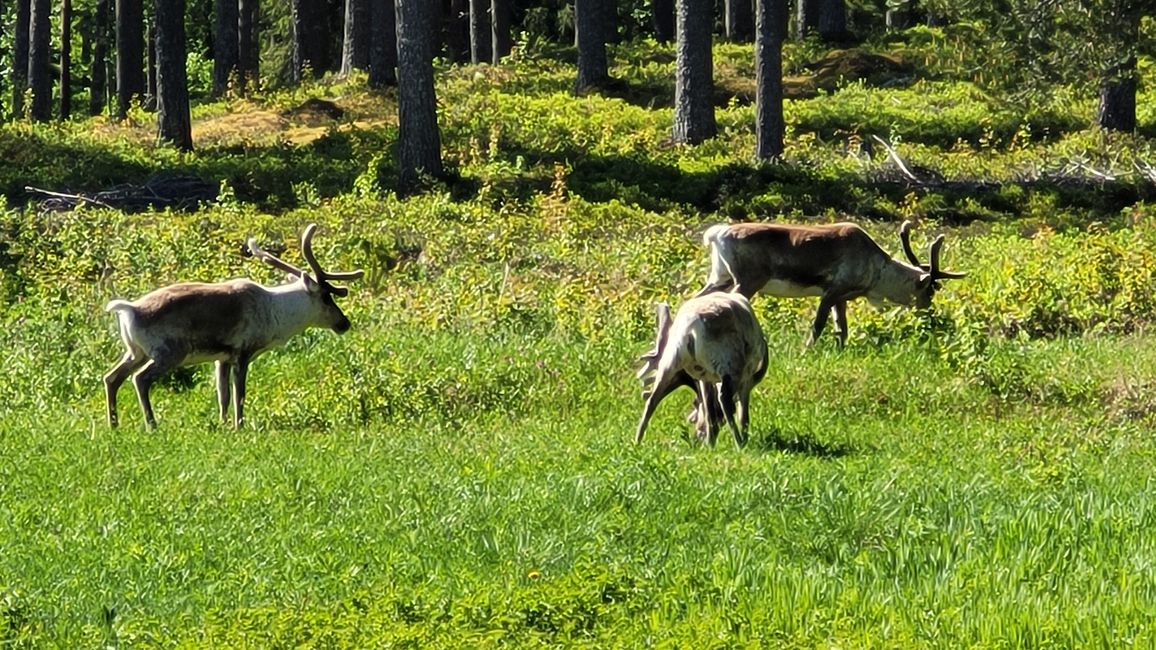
[
  {"x": 223, "y": 370},
  {"x": 144, "y": 378},
  {"x": 826, "y": 304},
  {"x": 115, "y": 377},
  {"x": 742, "y": 413},
  {"x": 240, "y": 373},
  {"x": 710, "y": 410},
  {"x": 726, "y": 400},
  {"x": 840, "y": 311}
]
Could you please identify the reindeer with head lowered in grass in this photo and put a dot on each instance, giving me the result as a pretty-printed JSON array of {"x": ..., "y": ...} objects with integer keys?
[
  {"x": 836, "y": 262},
  {"x": 715, "y": 346},
  {"x": 227, "y": 322}
]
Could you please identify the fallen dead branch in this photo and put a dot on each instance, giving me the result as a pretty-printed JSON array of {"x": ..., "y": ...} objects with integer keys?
[{"x": 175, "y": 192}]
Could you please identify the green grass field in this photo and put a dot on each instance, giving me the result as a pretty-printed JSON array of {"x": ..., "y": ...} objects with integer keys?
[
  {"x": 471, "y": 481},
  {"x": 458, "y": 469}
]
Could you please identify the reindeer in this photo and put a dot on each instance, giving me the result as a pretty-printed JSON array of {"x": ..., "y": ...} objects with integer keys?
[
  {"x": 227, "y": 322},
  {"x": 715, "y": 346},
  {"x": 837, "y": 262}
]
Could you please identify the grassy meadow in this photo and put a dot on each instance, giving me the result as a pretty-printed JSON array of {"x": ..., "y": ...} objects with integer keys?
[{"x": 458, "y": 469}]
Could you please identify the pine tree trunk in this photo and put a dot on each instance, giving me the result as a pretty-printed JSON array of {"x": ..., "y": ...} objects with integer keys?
[
  {"x": 310, "y": 49},
  {"x": 739, "y": 21},
  {"x": 1117, "y": 108},
  {"x": 590, "y": 31},
  {"x": 226, "y": 48},
  {"x": 832, "y": 21},
  {"x": 770, "y": 27},
  {"x": 65, "y": 60},
  {"x": 130, "y": 81},
  {"x": 20, "y": 48},
  {"x": 806, "y": 17},
  {"x": 480, "y": 47},
  {"x": 458, "y": 31},
  {"x": 39, "y": 77},
  {"x": 150, "y": 103},
  {"x": 355, "y": 45},
  {"x": 304, "y": 19},
  {"x": 662, "y": 20},
  {"x": 383, "y": 44},
  {"x": 173, "y": 123},
  {"x": 418, "y": 138},
  {"x": 500, "y": 30},
  {"x": 97, "y": 89},
  {"x": 694, "y": 74},
  {"x": 248, "y": 47}
]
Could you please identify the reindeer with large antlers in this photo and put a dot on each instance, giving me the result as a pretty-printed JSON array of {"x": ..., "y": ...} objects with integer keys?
[
  {"x": 837, "y": 262},
  {"x": 227, "y": 322}
]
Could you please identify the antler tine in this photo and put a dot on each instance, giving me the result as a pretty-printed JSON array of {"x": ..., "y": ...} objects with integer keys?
[
  {"x": 905, "y": 238},
  {"x": 936, "y": 272},
  {"x": 271, "y": 259},
  {"x": 935, "y": 248},
  {"x": 321, "y": 274},
  {"x": 307, "y": 251},
  {"x": 650, "y": 358}
]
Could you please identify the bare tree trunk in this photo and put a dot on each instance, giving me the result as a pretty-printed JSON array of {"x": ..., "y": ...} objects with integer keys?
[
  {"x": 20, "y": 47},
  {"x": 130, "y": 53},
  {"x": 248, "y": 47},
  {"x": 1117, "y": 107},
  {"x": 383, "y": 44},
  {"x": 500, "y": 29},
  {"x": 832, "y": 21},
  {"x": 355, "y": 45},
  {"x": 418, "y": 138},
  {"x": 739, "y": 21},
  {"x": 694, "y": 74},
  {"x": 39, "y": 78},
  {"x": 308, "y": 48},
  {"x": 226, "y": 48},
  {"x": 806, "y": 17},
  {"x": 173, "y": 123},
  {"x": 458, "y": 31},
  {"x": 590, "y": 32},
  {"x": 3, "y": 11},
  {"x": 770, "y": 125},
  {"x": 826, "y": 18},
  {"x": 98, "y": 88},
  {"x": 480, "y": 47},
  {"x": 662, "y": 19},
  {"x": 150, "y": 103},
  {"x": 65, "y": 60}
]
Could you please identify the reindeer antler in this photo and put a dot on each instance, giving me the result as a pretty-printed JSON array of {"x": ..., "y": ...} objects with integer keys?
[
  {"x": 650, "y": 359},
  {"x": 320, "y": 274},
  {"x": 905, "y": 238},
  {"x": 271, "y": 259},
  {"x": 936, "y": 272}
]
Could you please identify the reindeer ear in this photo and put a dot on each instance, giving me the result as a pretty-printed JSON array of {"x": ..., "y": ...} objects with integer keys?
[{"x": 311, "y": 285}]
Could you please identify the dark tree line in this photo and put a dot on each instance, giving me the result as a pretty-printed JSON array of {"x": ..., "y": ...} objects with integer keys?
[{"x": 134, "y": 52}]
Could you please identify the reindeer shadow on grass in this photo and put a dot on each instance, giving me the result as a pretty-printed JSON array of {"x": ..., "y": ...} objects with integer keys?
[
  {"x": 775, "y": 439},
  {"x": 798, "y": 442}
]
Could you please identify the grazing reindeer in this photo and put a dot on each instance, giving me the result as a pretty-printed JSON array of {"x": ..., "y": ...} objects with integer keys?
[
  {"x": 227, "y": 322},
  {"x": 838, "y": 262},
  {"x": 715, "y": 346}
]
